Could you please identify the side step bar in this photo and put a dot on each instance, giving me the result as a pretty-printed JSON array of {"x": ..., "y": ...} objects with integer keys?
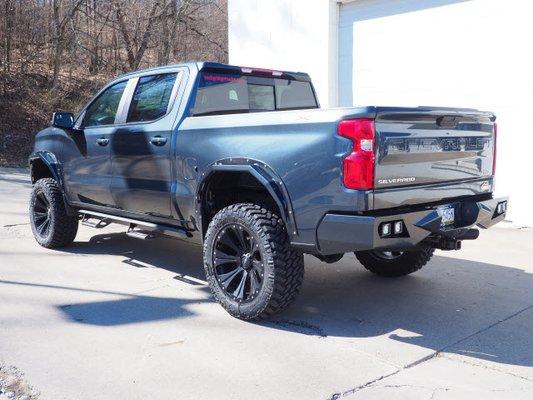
[
  {"x": 87, "y": 220},
  {"x": 136, "y": 229},
  {"x": 138, "y": 234}
]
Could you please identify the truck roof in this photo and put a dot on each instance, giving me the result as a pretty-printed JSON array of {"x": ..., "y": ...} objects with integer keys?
[{"x": 205, "y": 65}]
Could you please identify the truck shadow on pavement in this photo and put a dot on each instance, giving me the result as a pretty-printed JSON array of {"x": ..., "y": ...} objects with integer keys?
[
  {"x": 465, "y": 307},
  {"x": 185, "y": 259},
  {"x": 130, "y": 308}
]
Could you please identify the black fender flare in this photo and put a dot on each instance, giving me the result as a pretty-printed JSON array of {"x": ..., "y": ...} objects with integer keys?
[
  {"x": 264, "y": 174},
  {"x": 50, "y": 160}
]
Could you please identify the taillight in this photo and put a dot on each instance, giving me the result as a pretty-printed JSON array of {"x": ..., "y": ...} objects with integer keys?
[
  {"x": 495, "y": 130},
  {"x": 358, "y": 166},
  {"x": 261, "y": 71}
]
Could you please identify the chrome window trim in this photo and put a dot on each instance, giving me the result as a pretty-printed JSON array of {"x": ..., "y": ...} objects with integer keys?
[
  {"x": 174, "y": 92},
  {"x": 125, "y": 101}
]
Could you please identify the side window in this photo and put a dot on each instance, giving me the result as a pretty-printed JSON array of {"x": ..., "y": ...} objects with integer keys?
[
  {"x": 103, "y": 110},
  {"x": 151, "y": 97}
]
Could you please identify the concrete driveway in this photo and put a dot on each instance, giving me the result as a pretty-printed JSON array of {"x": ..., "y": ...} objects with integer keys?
[{"x": 117, "y": 318}]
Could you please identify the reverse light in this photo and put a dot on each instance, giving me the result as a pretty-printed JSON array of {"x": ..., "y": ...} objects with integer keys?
[
  {"x": 358, "y": 166},
  {"x": 367, "y": 145}
]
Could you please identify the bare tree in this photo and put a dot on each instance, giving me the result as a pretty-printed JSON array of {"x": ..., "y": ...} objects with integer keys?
[
  {"x": 61, "y": 18},
  {"x": 137, "y": 41},
  {"x": 89, "y": 37},
  {"x": 55, "y": 53}
]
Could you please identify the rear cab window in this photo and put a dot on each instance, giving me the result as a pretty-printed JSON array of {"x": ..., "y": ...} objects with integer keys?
[{"x": 233, "y": 93}]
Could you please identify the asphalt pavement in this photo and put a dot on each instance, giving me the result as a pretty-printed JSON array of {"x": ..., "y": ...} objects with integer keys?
[{"x": 113, "y": 317}]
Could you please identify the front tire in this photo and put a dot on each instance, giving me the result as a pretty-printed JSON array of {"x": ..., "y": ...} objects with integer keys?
[
  {"x": 252, "y": 270},
  {"x": 52, "y": 227},
  {"x": 393, "y": 264}
]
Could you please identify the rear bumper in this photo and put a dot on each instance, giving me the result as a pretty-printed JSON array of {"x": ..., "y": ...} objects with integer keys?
[{"x": 339, "y": 233}]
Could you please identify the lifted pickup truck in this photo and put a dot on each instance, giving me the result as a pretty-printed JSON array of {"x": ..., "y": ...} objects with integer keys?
[{"x": 244, "y": 162}]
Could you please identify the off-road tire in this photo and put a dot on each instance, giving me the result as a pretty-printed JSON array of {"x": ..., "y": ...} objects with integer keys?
[
  {"x": 283, "y": 265},
  {"x": 62, "y": 227},
  {"x": 404, "y": 264}
]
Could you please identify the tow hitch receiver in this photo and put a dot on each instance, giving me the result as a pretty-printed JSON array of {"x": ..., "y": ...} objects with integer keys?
[{"x": 453, "y": 242}]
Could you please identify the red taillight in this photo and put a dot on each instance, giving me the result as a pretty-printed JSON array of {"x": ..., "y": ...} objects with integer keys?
[
  {"x": 495, "y": 129},
  {"x": 358, "y": 168}
]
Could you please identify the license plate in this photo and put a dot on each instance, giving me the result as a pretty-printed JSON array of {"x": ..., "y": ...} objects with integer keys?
[{"x": 447, "y": 214}]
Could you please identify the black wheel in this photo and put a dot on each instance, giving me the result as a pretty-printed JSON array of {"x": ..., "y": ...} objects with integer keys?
[
  {"x": 52, "y": 227},
  {"x": 393, "y": 264},
  {"x": 251, "y": 268}
]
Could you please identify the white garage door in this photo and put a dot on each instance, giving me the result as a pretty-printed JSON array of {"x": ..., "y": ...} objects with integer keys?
[{"x": 448, "y": 53}]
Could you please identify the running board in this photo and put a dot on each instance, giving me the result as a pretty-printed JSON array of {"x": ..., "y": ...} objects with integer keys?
[
  {"x": 146, "y": 230},
  {"x": 98, "y": 223},
  {"x": 143, "y": 235}
]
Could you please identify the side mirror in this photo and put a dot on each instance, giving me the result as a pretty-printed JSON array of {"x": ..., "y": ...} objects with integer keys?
[{"x": 63, "y": 120}]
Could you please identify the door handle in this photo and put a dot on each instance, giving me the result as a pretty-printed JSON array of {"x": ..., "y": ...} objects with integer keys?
[
  {"x": 158, "y": 141},
  {"x": 102, "y": 141}
]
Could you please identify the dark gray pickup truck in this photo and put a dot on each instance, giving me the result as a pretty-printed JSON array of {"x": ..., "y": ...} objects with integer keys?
[{"x": 245, "y": 162}]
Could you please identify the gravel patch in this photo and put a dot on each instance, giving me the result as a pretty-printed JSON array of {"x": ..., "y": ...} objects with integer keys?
[{"x": 13, "y": 386}]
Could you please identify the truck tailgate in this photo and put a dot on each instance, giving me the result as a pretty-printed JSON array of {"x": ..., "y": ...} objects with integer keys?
[{"x": 432, "y": 146}]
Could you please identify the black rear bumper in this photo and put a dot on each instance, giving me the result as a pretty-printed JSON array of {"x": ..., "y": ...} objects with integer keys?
[{"x": 339, "y": 233}]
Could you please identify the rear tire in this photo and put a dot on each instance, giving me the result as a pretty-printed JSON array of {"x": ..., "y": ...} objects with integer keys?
[
  {"x": 252, "y": 270},
  {"x": 52, "y": 227},
  {"x": 394, "y": 264}
]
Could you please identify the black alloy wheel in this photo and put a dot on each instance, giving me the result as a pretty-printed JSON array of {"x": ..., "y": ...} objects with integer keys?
[
  {"x": 238, "y": 264},
  {"x": 42, "y": 214}
]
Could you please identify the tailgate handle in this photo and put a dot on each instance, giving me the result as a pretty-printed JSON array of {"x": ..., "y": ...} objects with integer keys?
[{"x": 448, "y": 121}]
